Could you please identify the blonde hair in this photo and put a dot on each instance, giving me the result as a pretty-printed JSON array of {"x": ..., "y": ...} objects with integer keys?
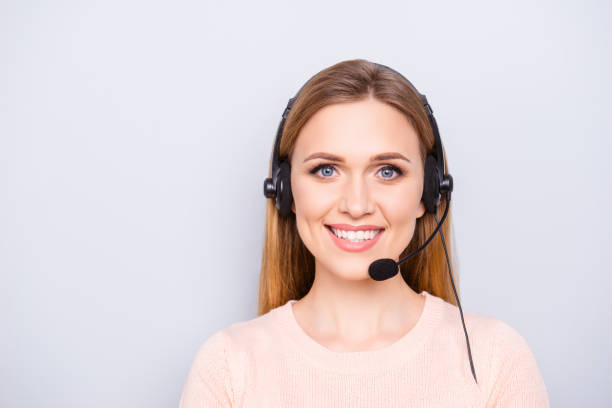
[{"x": 287, "y": 266}]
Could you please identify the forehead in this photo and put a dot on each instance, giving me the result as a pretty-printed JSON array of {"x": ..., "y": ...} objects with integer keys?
[{"x": 357, "y": 130}]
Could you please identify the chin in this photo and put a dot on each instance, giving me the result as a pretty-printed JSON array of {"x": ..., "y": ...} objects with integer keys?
[{"x": 351, "y": 271}]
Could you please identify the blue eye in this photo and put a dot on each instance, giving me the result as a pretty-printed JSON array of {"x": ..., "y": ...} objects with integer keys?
[
  {"x": 322, "y": 167},
  {"x": 388, "y": 169}
]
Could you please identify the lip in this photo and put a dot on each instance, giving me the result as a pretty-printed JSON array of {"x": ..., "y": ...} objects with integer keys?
[
  {"x": 355, "y": 246},
  {"x": 348, "y": 227}
]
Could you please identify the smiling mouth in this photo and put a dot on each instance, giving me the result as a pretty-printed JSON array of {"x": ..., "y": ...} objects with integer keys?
[{"x": 355, "y": 236}]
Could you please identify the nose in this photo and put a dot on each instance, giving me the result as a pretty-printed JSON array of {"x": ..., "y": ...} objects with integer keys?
[{"x": 356, "y": 198}]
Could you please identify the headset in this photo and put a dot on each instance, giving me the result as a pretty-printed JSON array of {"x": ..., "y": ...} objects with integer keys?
[{"x": 436, "y": 183}]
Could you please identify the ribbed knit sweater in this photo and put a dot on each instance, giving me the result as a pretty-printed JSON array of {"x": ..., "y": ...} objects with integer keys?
[{"x": 271, "y": 362}]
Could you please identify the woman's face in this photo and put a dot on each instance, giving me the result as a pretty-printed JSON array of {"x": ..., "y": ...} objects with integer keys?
[{"x": 348, "y": 187}]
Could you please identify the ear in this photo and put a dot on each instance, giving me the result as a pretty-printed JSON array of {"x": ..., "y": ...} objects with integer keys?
[
  {"x": 421, "y": 209},
  {"x": 293, "y": 206}
]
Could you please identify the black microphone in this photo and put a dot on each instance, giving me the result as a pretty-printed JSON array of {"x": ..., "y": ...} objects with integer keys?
[{"x": 386, "y": 268}]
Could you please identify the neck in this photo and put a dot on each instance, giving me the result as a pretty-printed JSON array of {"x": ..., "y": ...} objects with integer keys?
[{"x": 358, "y": 311}]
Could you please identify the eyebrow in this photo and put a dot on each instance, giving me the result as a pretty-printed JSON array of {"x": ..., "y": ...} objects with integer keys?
[{"x": 377, "y": 157}]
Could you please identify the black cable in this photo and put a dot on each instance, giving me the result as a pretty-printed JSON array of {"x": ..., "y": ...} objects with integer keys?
[{"x": 455, "y": 290}]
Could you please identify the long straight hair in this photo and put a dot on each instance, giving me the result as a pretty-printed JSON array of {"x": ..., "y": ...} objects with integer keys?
[{"x": 287, "y": 266}]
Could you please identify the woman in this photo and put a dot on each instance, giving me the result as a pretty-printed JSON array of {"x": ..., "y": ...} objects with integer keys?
[{"x": 355, "y": 187}]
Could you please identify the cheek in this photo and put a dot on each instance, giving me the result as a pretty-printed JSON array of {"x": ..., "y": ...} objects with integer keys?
[
  {"x": 400, "y": 214},
  {"x": 401, "y": 207},
  {"x": 311, "y": 205},
  {"x": 310, "y": 200},
  {"x": 400, "y": 203}
]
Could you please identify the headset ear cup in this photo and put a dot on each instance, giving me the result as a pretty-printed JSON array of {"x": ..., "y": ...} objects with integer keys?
[
  {"x": 284, "y": 197},
  {"x": 431, "y": 185}
]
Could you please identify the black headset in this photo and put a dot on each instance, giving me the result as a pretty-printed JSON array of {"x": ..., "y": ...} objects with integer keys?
[{"x": 436, "y": 182}]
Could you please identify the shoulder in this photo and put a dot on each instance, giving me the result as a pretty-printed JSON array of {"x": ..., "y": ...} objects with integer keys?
[
  {"x": 229, "y": 342},
  {"x": 209, "y": 378},
  {"x": 259, "y": 333},
  {"x": 502, "y": 339},
  {"x": 247, "y": 340},
  {"x": 217, "y": 373},
  {"x": 481, "y": 328},
  {"x": 514, "y": 370},
  {"x": 505, "y": 365},
  {"x": 491, "y": 329}
]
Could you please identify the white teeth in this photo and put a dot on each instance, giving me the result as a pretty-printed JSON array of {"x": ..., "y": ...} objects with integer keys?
[{"x": 355, "y": 236}]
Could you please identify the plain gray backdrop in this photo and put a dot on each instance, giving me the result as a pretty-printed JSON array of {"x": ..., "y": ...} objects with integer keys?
[{"x": 135, "y": 137}]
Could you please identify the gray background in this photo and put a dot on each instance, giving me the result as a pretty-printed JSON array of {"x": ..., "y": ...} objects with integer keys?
[{"x": 135, "y": 137}]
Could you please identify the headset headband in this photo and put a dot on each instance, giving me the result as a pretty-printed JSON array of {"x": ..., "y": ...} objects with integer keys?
[{"x": 438, "y": 151}]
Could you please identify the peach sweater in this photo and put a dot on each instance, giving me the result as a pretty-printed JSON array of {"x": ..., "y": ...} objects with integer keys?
[{"x": 271, "y": 362}]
